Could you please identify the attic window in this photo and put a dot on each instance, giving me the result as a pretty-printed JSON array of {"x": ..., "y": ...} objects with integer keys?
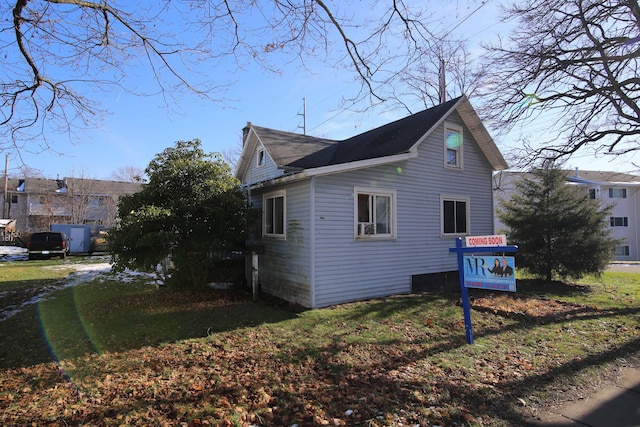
[
  {"x": 261, "y": 157},
  {"x": 453, "y": 140}
]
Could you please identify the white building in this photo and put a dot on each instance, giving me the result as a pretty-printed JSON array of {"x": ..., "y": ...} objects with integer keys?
[{"x": 618, "y": 189}]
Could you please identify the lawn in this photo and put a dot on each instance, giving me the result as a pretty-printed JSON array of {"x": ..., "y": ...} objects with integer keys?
[{"x": 113, "y": 352}]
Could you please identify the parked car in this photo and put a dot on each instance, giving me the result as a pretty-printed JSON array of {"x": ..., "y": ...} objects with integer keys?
[{"x": 47, "y": 244}]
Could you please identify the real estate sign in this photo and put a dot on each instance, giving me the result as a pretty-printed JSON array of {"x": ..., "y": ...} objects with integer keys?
[
  {"x": 494, "y": 240},
  {"x": 490, "y": 272},
  {"x": 483, "y": 271}
]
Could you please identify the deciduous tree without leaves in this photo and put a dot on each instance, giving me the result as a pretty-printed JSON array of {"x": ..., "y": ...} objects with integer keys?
[
  {"x": 574, "y": 65},
  {"x": 58, "y": 55}
]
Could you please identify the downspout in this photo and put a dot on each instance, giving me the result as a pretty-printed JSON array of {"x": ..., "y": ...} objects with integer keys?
[
  {"x": 493, "y": 203},
  {"x": 312, "y": 264}
]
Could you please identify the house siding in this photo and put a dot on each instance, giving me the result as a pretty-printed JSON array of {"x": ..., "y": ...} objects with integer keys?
[
  {"x": 285, "y": 268},
  {"x": 36, "y": 203},
  {"x": 348, "y": 269},
  {"x": 262, "y": 173},
  {"x": 627, "y": 207}
]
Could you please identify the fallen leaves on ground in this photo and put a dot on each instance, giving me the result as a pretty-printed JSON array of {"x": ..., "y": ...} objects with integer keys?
[
  {"x": 538, "y": 309},
  {"x": 389, "y": 362}
]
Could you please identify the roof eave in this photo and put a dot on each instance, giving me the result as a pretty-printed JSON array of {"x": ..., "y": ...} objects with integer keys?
[
  {"x": 279, "y": 180},
  {"x": 480, "y": 134},
  {"x": 360, "y": 164},
  {"x": 243, "y": 161}
]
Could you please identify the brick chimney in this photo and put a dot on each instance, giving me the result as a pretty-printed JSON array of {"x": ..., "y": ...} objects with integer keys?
[{"x": 245, "y": 132}]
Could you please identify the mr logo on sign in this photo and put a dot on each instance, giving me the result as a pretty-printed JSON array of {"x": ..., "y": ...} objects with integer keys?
[{"x": 490, "y": 272}]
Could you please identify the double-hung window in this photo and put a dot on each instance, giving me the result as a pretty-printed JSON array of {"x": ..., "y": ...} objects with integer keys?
[
  {"x": 274, "y": 214},
  {"x": 619, "y": 221},
  {"x": 617, "y": 193},
  {"x": 374, "y": 213},
  {"x": 453, "y": 140},
  {"x": 622, "y": 250},
  {"x": 455, "y": 215}
]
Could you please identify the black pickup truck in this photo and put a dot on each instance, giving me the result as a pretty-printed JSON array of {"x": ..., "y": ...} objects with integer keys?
[{"x": 48, "y": 244}]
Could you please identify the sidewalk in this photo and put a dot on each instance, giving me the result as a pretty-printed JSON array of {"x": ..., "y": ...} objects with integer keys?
[{"x": 613, "y": 406}]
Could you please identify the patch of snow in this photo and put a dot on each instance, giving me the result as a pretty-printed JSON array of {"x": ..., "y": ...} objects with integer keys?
[
  {"x": 220, "y": 285},
  {"x": 82, "y": 273},
  {"x": 12, "y": 253}
]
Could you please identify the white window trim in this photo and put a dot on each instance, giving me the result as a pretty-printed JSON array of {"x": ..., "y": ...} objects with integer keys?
[
  {"x": 625, "y": 248},
  {"x": 456, "y": 128},
  {"x": 622, "y": 190},
  {"x": 452, "y": 198},
  {"x": 274, "y": 194},
  {"x": 261, "y": 154},
  {"x": 394, "y": 210},
  {"x": 623, "y": 219}
]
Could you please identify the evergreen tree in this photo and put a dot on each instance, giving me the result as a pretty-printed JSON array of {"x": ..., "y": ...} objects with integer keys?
[
  {"x": 192, "y": 209},
  {"x": 559, "y": 231}
]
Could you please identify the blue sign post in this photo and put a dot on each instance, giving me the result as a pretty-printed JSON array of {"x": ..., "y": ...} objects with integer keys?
[{"x": 466, "y": 307}]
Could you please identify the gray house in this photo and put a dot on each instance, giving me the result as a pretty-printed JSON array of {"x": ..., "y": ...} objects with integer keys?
[
  {"x": 36, "y": 203},
  {"x": 372, "y": 215}
]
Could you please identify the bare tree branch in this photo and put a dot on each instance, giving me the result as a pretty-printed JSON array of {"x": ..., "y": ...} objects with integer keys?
[
  {"x": 57, "y": 54},
  {"x": 579, "y": 59}
]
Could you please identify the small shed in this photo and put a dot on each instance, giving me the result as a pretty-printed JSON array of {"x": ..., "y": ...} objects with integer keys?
[{"x": 79, "y": 235}]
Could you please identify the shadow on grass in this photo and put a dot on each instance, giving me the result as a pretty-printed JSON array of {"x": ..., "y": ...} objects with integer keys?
[
  {"x": 360, "y": 357},
  {"x": 115, "y": 317},
  {"x": 386, "y": 382},
  {"x": 554, "y": 289}
]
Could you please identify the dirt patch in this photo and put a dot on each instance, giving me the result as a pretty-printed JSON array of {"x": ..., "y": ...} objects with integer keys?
[{"x": 540, "y": 310}]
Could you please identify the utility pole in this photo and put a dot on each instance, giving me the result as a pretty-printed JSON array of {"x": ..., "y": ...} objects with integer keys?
[
  {"x": 304, "y": 116},
  {"x": 6, "y": 186},
  {"x": 442, "y": 86}
]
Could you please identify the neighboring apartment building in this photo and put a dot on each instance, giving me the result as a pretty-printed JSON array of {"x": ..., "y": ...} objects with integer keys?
[
  {"x": 36, "y": 203},
  {"x": 618, "y": 189}
]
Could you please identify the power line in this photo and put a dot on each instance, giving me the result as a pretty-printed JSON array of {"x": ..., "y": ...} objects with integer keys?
[
  {"x": 484, "y": 3},
  {"x": 346, "y": 108}
]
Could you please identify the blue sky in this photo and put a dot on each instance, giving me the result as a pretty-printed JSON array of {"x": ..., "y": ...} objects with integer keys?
[{"x": 140, "y": 127}]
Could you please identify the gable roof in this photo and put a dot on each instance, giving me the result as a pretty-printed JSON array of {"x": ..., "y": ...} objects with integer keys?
[
  {"x": 576, "y": 177},
  {"x": 288, "y": 148},
  {"x": 291, "y": 151},
  {"x": 393, "y": 138},
  {"x": 603, "y": 177},
  {"x": 76, "y": 185}
]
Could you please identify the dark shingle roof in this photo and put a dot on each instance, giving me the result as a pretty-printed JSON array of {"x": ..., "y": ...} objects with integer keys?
[
  {"x": 287, "y": 148},
  {"x": 393, "y": 138},
  {"x": 302, "y": 152}
]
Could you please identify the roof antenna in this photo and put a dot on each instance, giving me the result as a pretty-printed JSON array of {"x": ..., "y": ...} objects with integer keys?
[{"x": 304, "y": 116}]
